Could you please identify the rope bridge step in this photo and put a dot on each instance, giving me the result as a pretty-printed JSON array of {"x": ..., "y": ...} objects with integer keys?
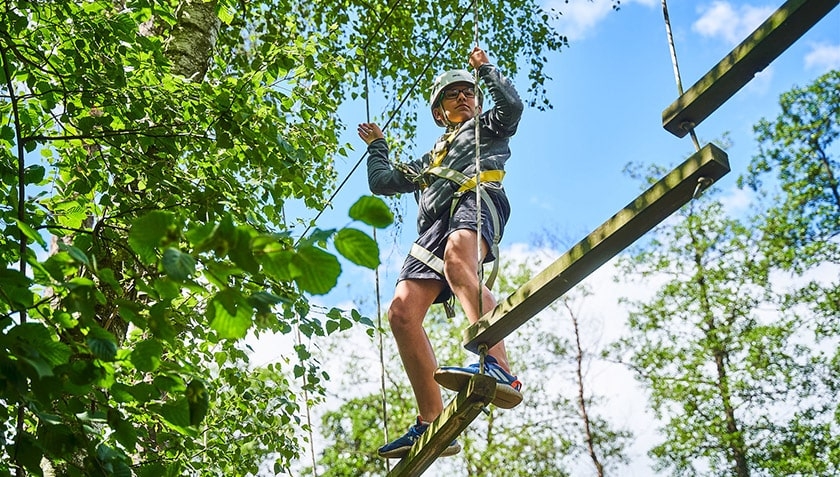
[
  {"x": 457, "y": 415},
  {"x": 637, "y": 218},
  {"x": 765, "y": 44}
]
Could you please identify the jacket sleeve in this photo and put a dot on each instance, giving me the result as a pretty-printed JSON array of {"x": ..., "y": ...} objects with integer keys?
[
  {"x": 383, "y": 177},
  {"x": 503, "y": 118}
]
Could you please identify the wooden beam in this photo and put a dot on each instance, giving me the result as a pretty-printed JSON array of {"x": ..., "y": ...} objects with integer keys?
[
  {"x": 765, "y": 44},
  {"x": 463, "y": 409},
  {"x": 646, "y": 211}
]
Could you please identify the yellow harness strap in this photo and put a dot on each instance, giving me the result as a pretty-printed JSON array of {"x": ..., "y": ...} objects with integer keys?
[{"x": 486, "y": 176}]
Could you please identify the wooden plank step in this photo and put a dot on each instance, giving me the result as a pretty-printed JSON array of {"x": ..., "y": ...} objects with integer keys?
[
  {"x": 457, "y": 415},
  {"x": 637, "y": 218},
  {"x": 765, "y": 44}
]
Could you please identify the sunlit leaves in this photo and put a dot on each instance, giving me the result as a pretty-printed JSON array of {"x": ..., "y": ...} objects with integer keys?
[
  {"x": 31, "y": 233},
  {"x": 230, "y": 314},
  {"x": 357, "y": 247},
  {"x": 147, "y": 233},
  {"x": 315, "y": 270},
  {"x": 372, "y": 211}
]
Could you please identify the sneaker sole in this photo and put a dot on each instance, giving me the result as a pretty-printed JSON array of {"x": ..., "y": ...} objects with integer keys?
[
  {"x": 402, "y": 452},
  {"x": 506, "y": 397}
]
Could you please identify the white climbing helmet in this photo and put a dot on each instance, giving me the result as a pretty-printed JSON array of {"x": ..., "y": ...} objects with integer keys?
[{"x": 448, "y": 78}]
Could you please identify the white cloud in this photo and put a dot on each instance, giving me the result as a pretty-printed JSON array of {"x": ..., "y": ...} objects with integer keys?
[
  {"x": 580, "y": 17},
  {"x": 823, "y": 57},
  {"x": 737, "y": 200},
  {"x": 732, "y": 24}
]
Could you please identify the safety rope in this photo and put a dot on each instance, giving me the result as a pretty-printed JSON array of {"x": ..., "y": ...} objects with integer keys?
[
  {"x": 702, "y": 182},
  {"x": 308, "y": 410},
  {"x": 478, "y": 201},
  {"x": 677, "y": 67},
  {"x": 381, "y": 330}
]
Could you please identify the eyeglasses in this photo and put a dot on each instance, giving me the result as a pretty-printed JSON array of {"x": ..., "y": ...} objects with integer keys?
[{"x": 455, "y": 92}]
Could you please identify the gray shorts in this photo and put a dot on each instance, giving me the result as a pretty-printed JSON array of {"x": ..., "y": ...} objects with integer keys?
[{"x": 434, "y": 238}]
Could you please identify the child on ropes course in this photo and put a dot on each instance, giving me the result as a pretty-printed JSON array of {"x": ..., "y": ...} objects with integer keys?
[{"x": 444, "y": 258}]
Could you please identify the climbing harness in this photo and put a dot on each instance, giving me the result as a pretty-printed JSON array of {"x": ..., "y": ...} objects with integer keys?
[{"x": 478, "y": 183}]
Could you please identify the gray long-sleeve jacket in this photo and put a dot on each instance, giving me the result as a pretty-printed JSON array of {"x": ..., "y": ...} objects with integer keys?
[{"x": 497, "y": 125}]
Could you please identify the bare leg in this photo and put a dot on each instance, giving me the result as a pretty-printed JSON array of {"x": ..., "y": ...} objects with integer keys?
[
  {"x": 461, "y": 270},
  {"x": 412, "y": 299}
]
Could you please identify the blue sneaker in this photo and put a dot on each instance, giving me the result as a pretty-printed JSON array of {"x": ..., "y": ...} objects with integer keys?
[
  {"x": 398, "y": 448},
  {"x": 507, "y": 385}
]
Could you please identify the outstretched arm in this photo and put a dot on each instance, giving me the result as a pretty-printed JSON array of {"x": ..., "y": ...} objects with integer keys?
[{"x": 383, "y": 177}]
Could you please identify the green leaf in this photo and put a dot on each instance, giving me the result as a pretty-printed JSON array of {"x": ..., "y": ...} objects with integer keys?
[
  {"x": 102, "y": 343},
  {"x": 77, "y": 254},
  {"x": 372, "y": 211},
  {"x": 152, "y": 469},
  {"x": 167, "y": 288},
  {"x": 159, "y": 321},
  {"x": 169, "y": 383},
  {"x": 317, "y": 270},
  {"x": 34, "y": 174},
  {"x": 264, "y": 301},
  {"x": 230, "y": 314},
  {"x": 147, "y": 233},
  {"x": 226, "y": 14},
  {"x": 41, "y": 366},
  {"x": 7, "y": 133},
  {"x": 31, "y": 233},
  {"x": 241, "y": 252},
  {"x": 143, "y": 392},
  {"x": 177, "y": 412},
  {"x": 106, "y": 275},
  {"x": 122, "y": 393},
  {"x": 146, "y": 355},
  {"x": 199, "y": 401},
  {"x": 178, "y": 265},
  {"x": 275, "y": 262},
  {"x": 357, "y": 247},
  {"x": 15, "y": 290},
  {"x": 123, "y": 429},
  {"x": 29, "y": 453},
  {"x": 55, "y": 352},
  {"x": 58, "y": 440}
]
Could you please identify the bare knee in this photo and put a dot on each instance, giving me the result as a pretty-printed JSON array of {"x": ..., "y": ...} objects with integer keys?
[{"x": 401, "y": 317}]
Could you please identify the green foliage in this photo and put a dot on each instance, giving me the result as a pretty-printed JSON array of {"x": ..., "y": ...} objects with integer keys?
[
  {"x": 151, "y": 148},
  {"x": 798, "y": 149},
  {"x": 741, "y": 366}
]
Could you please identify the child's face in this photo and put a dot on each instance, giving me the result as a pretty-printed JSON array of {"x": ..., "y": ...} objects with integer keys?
[{"x": 458, "y": 102}]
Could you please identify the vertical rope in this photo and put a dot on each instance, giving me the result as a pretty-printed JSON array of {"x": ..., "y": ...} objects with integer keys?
[
  {"x": 478, "y": 179},
  {"x": 676, "y": 66},
  {"x": 376, "y": 291},
  {"x": 702, "y": 182},
  {"x": 308, "y": 412}
]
